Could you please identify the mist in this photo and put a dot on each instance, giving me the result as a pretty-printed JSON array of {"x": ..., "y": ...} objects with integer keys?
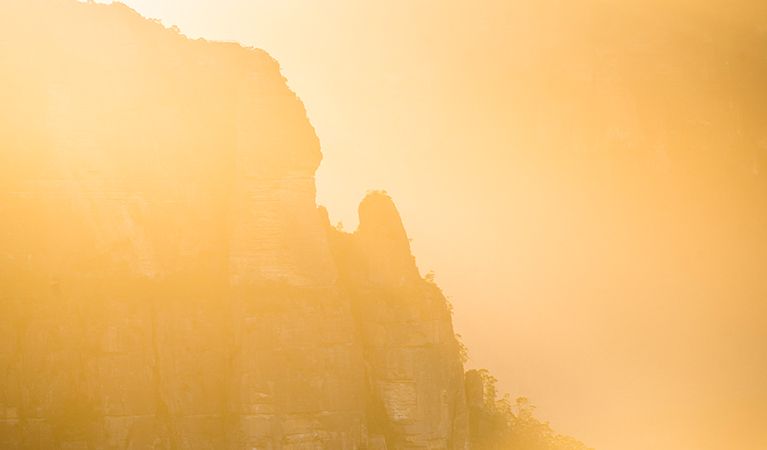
[{"x": 586, "y": 179}]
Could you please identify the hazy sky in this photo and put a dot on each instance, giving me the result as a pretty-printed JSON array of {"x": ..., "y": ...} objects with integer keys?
[{"x": 631, "y": 311}]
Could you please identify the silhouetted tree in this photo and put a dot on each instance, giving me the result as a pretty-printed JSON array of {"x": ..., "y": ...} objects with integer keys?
[{"x": 496, "y": 424}]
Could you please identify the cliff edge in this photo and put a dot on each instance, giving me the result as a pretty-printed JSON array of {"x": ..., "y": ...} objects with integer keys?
[{"x": 166, "y": 279}]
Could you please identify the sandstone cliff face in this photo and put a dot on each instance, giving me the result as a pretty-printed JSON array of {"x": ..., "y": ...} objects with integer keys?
[
  {"x": 414, "y": 376},
  {"x": 166, "y": 281}
]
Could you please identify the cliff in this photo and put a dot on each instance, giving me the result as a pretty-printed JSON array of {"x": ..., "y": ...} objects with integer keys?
[{"x": 166, "y": 279}]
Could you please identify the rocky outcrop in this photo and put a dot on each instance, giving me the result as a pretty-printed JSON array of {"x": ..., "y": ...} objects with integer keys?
[
  {"x": 414, "y": 374},
  {"x": 166, "y": 281}
]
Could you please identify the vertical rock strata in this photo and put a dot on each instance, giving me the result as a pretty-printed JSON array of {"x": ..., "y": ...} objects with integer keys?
[
  {"x": 414, "y": 373},
  {"x": 166, "y": 281}
]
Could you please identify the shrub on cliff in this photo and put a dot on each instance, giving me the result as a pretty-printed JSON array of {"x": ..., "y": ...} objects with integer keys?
[{"x": 496, "y": 424}]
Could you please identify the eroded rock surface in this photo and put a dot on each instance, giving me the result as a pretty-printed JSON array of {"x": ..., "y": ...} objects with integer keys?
[
  {"x": 166, "y": 281},
  {"x": 414, "y": 373}
]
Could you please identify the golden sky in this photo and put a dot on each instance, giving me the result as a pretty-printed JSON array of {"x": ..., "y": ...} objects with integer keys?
[{"x": 599, "y": 260}]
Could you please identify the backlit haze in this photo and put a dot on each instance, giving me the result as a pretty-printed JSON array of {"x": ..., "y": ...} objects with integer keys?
[{"x": 599, "y": 262}]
